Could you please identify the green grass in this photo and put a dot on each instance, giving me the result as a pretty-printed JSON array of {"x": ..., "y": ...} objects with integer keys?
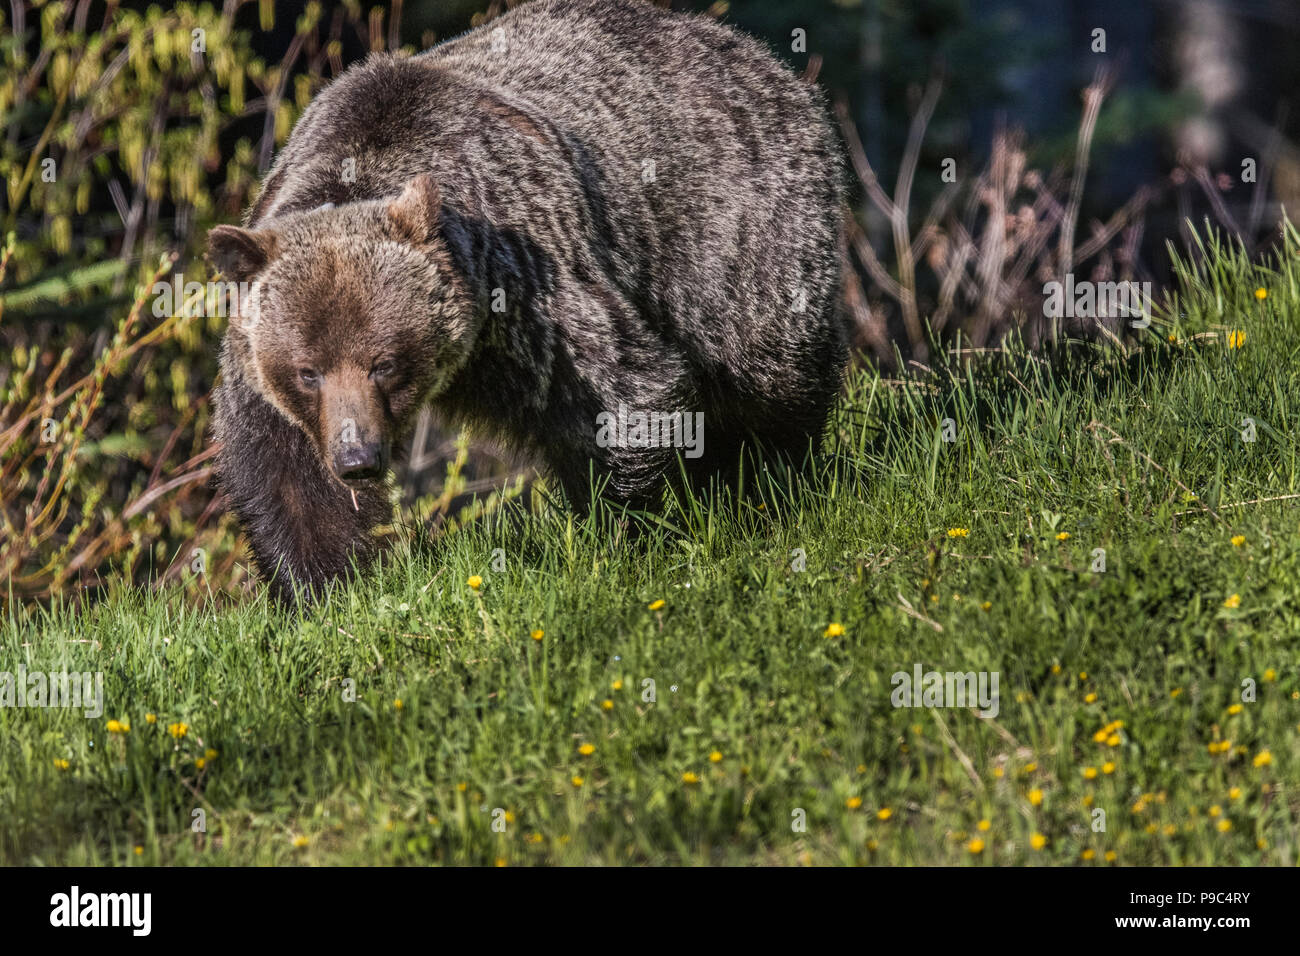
[{"x": 1140, "y": 454}]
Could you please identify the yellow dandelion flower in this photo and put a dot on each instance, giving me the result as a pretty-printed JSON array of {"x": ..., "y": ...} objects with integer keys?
[
  {"x": 1088, "y": 854},
  {"x": 1063, "y": 536},
  {"x": 1113, "y": 740},
  {"x": 998, "y": 772},
  {"x": 986, "y": 605},
  {"x": 1261, "y": 294},
  {"x": 1224, "y": 825},
  {"x": 984, "y": 826},
  {"x": 61, "y": 763},
  {"x": 975, "y": 846},
  {"x": 1261, "y": 844},
  {"x": 1087, "y": 801},
  {"x": 1089, "y": 773},
  {"x": 139, "y": 850},
  {"x": 1235, "y": 709},
  {"x": 689, "y": 778},
  {"x": 501, "y": 861},
  {"x": 151, "y": 718},
  {"x": 538, "y": 634},
  {"x": 1037, "y": 841},
  {"x": 200, "y": 763},
  {"x": 577, "y": 781},
  {"x": 1108, "y": 767},
  {"x": 1101, "y": 735},
  {"x": 475, "y": 582},
  {"x": 1215, "y": 810},
  {"x": 1169, "y": 829},
  {"x": 1237, "y": 339},
  {"x": 1234, "y": 793},
  {"x": 587, "y": 749},
  {"x": 607, "y": 704},
  {"x": 617, "y": 685},
  {"x": 873, "y": 846},
  {"x": 462, "y": 786},
  {"x": 853, "y": 802},
  {"x": 178, "y": 730},
  {"x": 118, "y": 727},
  {"x": 958, "y": 532},
  {"x": 656, "y": 605},
  {"x": 1030, "y": 767},
  {"x": 300, "y": 842},
  {"x": 397, "y": 704},
  {"x": 210, "y": 754},
  {"x": 1056, "y": 668},
  {"x": 1090, "y": 698},
  {"x": 1270, "y": 675},
  {"x": 1151, "y": 829},
  {"x": 834, "y": 629},
  {"x": 534, "y": 837},
  {"x": 1233, "y": 601},
  {"x": 715, "y": 757},
  {"x": 1263, "y": 758},
  {"x": 1110, "y": 856},
  {"x": 1238, "y": 540},
  {"x": 1175, "y": 692},
  {"x": 884, "y": 813},
  {"x": 1083, "y": 675},
  {"x": 1036, "y": 796}
]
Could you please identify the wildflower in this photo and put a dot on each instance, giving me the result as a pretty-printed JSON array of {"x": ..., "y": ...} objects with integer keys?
[
  {"x": 139, "y": 850},
  {"x": 1263, "y": 758},
  {"x": 834, "y": 629},
  {"x": 577, "y": 782},
  {"x": 606, "y": 705},
  {"x": 884, "y": 813},
  {"x": 462, "y": 786},
  {"x": 118, "y": 727},
  {"x": 1270, "y": 675},
  {"x": 1108, "y": 767},
  {"x": 656, "y": 605},
  {"x": 178, "y": 730},
  {"x": 689, "y": 778},
  {"x": 1236, "y": 339},
  {"x": 1063, "y": 536},
  {"x": 617, "y": 685},
  {"x": 1215, "y": 810},
  {"x": 853, "y": 802},
  {"x": 1261, "y": 294},
  {"x": 1056, "y": 668},
  {"x": 986, "y": 605},
  {"x": 1030, "y": 767},
  {"x": 1233, "y": 601},
  {"x": 975, "y": 846},
  {"x": 200, "y": 763},
  {"x": 501, "y": 861},
  {"x": 151, "y": 718},
  {"x": 984, "y": 825},
  {"x": 1110, "y": 856},
  {"x": 1088, "y": 854},
  {"x": 300, "y": 842},
  {"x": 397, "y": 704},
  {"x": 1090, "y": 699},
  {"x": 1038, "y": 841},
  {"x": 1234, "y": 793},
  {"x": 1036, "y": 797},
  {"x": 475, "y": 582},
  {"x": 715, "y": 757},
  {"x": 1089, "y": 773},
  {"x": 1238, "y": 540},
  {"x": 1224, "y": 825},
  {"x": 538, "y": 634},
  {"x": 1175, "y": 692},
  {"x": 61, "y": 764},
  {"x": 1083, "y": 675},
  {"x": 587, "y": 749},
  {"x": 958, "y": 532},
  {"x": 1234, "y": 709},
  {"x": 1113, "y": 740}
]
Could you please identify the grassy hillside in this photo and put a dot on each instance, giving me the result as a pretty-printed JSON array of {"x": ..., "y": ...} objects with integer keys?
[{"x": 511, "y": 723}]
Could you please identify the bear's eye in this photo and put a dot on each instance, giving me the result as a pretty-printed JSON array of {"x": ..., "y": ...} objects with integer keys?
[
  {"x": 382, "y": 369},
  {"x": 310, "y": 378}
]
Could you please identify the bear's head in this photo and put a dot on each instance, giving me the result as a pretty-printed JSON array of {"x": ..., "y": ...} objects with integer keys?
[{"x": 350, "y": 319}]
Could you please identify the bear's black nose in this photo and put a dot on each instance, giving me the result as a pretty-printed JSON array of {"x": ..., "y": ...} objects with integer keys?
[{"x": 357, "y": 461}]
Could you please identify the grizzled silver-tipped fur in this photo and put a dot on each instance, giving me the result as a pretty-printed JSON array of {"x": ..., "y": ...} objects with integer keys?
[{"x": 584, "y": 204}]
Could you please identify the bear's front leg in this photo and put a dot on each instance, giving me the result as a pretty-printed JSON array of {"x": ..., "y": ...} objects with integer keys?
[{"x": 306, "y": 529}]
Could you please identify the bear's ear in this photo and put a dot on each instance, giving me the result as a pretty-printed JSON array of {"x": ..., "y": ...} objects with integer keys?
[
  {"x": 415, "y": 212},
  {"x": 239, "y": 254}
]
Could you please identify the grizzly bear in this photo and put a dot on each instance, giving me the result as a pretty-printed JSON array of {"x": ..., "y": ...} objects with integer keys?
[{"x": 582, "y": 214}]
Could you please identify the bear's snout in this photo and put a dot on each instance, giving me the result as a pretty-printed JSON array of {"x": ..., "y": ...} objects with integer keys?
[{"x": 359, "y": 461}]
